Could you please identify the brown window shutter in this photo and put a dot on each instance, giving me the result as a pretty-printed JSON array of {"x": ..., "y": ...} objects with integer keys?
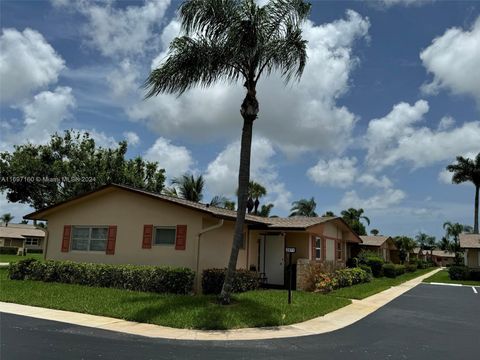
[
  {"x": 324, "y": 248},
  {"x": 147, "y": 236},
  {"x": 181, "y": 240},
  {"x": 111, "y": 239},
  {"x": 313, "y": 248},
  {"x": 67, "y": 232}
]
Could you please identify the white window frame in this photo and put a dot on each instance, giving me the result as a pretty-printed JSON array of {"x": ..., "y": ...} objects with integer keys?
[
  {"x": 32, "y": 241},
  {"x": 164, "y": 228},
  {"x": 319, "y": 248},
  {"x": 89, "y": 227}
]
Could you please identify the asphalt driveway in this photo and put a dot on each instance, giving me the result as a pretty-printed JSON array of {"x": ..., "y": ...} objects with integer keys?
[{"x": 427, "y": 322}]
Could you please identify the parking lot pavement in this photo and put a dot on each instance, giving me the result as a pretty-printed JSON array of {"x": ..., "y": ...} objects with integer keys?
[{"x": 427, "y": 322}]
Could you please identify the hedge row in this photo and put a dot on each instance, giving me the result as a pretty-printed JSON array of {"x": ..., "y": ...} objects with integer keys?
[
  {"x": 460, "y": 272},
  {"x": 130, "y": 277},
  {"x": 341, "y": 278},
  {"x": 7, "y": 250},
  {"x": 393, "y": 270},
  {"x": 243, "y": 280}
]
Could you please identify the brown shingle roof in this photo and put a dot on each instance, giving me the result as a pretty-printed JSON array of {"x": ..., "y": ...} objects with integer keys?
[
  {"x": 470, "y": 241},
  {"x": 442, "y": 253},
  {"x": 373, "y": 240},
  {"x": 20, "y": 231}
]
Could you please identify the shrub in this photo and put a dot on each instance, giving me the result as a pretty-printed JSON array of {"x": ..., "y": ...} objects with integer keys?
[
  {"x": 422, "y": 264},
  {"x": 34, "y": 251},
  {"x": 458, "y": 272},
  {"x": 8, "y": 250},
  {"x": 371, "y": 259},
  {"x": 367, "y": 269},
  {"x": 352, "y": 263},
  {"x": 130, "y": 277},
  {"x": 411, "y": 267},
  {"x": 400, "y": 269},
  {"x": 313, "y": 271},
  {"x": 243, "y": 280},
  {"x": 342, "y": 278},
  {"x": 474, "y": 274},
  {"x": 393, "y": 270}
]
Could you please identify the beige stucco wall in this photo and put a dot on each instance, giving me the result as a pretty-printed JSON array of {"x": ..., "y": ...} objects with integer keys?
[{"x": 300, "y": 241}]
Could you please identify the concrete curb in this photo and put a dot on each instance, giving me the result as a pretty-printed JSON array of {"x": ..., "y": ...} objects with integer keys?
[{"x": 335, "y": 320}]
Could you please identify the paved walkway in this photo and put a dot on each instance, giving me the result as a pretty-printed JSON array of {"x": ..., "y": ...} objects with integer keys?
[{"x": 333, "y": 321}]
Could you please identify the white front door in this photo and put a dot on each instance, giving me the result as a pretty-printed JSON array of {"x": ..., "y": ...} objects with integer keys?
[
  {"x": 330, "y": 250},
  {"x": 272, "y": 252}
]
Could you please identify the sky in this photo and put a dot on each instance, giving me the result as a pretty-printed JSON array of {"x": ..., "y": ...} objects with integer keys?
[{"x": 390, "y": 96}]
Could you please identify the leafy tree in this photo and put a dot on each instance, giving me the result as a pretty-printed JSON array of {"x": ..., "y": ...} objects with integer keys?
[
  {"x": 353, "y": 218},
  {"x": 24, "y": 222},
  {"x": 6, "y": 218},
  {"x": 265, "y": 210},
  {"x": 234, "y": 40},
  {"x": 374, "y": 232},
  {"x": 329, "y": 214},
  {"x": 222, "y": 201},
  {"x": 452, "y": 233},
  {"x": 304, "y": 207},
  {"x": 426, "y": 242},
  {"x": 69, "y": 165},
  {"x": 468, "y": 170},
  {"x": 189, "y": 187},
  {"x": 405, "y": 245}
]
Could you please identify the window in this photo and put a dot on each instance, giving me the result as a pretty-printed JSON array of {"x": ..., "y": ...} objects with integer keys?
[
  {"x": 339, "y": 250},
  {"x": 86, "y": 238},
  {"x": 165, "y": 235},
  {"x": 32, "y": 241},
  {"x": 318, "y": 248}
]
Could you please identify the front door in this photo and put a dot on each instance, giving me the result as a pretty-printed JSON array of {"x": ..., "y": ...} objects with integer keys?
[{"x": 272, "y": 252}]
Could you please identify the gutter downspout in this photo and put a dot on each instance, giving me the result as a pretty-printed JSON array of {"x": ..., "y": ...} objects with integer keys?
[
  {"x": 46, "y": 244},
  {"x": 213, "y": 227}
]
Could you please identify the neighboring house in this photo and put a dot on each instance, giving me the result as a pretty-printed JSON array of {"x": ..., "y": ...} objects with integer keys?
[
  {"x": 418, "y": 253},
  {"x": 21, "y": 236},
  {"x": 123, "y": 225},
  {"x": 470, "y": 243},
  {"x": 384, "y": 246},
  {"x": 441, "y": 258}
]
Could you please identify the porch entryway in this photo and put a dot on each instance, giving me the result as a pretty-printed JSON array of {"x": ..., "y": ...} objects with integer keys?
[{"x": 272, "y": 258}]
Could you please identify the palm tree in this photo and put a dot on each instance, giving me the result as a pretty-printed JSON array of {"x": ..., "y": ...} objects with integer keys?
[
  {"x": 426, "y": 242},
  {"x": 234, "y": 40},
  {"x": 255, "y": 191},
  {"x": 405, "y": 245},
  {"x": 304, "y": 207},
  {"x": 453, "y": 231},
  {"x": 7, "y": 218},
  {"x": 222, "y": 201},
  {"x": 445, "y": 244},
  {"x": 374, "y": 232},
  {"x": 353, "y": 218},
  {"x": 265, "y": 210},
  {"x": 468, "y": 170},
  {"x": 189, "y": 187},
  {"x": 329, "y": 214}
]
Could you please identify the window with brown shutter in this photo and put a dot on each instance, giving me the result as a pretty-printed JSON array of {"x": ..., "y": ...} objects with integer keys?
[
  {"x": 181, "y": 239},
  {"x": 67, "y": 231},
  {"x": 147, "y": 236},
  {"x": 111, "y": 239}
]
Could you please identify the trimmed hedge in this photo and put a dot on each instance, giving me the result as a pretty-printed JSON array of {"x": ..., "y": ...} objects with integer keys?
[
  {"x": 243, "y": 280},
  {"x": 341, "y": 278},
  {"x": 474, "y": 274},
  {"x": 371, "y": 259},
  {"x": 352, "y": 262},
  {"x": 34, "y": 251},
  {"x": 366, "y": 268},
  {"x": 411, "y": 267},
  {"x": 458, "y": 272},
  {"x": 393, "y": 270},
  {"x": 8, "y": 250},
  {"x": 130, "y": 277}
]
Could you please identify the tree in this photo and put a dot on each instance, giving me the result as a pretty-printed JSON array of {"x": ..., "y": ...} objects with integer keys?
[
  {"x": 445, "y": 244},
  {"x": 265, "y": 210},
  {"x": 69, "y": 165},
  {"x": 452, "y": 232},
  {"x": 468, "y": 170},
  {"x": 7, "y": 218},
  {"x": 256, "y": 191},
  {"x": 189, "y": 188},
  {"x": 234, "y": 40},
  {"x": 374, "y": 232},
  {"x": 329, "y": 214},
  {"x": 426, "y": 242},
  {"x": 353, "y": 218},
  {"x": 223, "y": 202},
  {"x": 405, "y": 245},
  {"x": 304, "y": 207}
]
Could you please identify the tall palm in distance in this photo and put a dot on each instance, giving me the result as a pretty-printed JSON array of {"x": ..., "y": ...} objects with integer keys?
[
  {"x": 234, "y": 40},
  {"x": 452, "y": 234},
  {"x": 304, "y": 207},
  {"x": 6, "y": 218},
  {"x": 353, "y": 217},
  {"x": 188, "y": 187},
  {"x": 468, "y": 170},
  {"x": 223, "y": 202}
]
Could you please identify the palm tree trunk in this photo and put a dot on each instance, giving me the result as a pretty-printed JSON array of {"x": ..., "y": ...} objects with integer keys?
[
  {"x": 249, "y": 111},
  {"x": 475, "y": 221}
]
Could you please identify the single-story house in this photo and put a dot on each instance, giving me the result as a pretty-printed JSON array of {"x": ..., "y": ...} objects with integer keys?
[
  {"x": 118, "y": 224},
  {"x": 442, "y": 258},
  {"x": 418, "y": 253},
  {"x": 22, "y": 236},
  {"x": 384, "y": 246},
  {"x": 470, "y": 243}
]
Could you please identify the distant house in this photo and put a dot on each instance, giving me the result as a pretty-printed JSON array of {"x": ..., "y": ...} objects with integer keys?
[
  {"x": 418, "y": 253},
  {"x": 470, "y": 243},
  {"x": 22, "y": 236},
  {"x": 384, "y": 246},
  {"x": 442, "y": 258},
  {"x": 122, "y": 225}
]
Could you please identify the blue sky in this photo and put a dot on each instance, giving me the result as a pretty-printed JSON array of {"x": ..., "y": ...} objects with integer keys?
[{"x": 390, "y": 96}]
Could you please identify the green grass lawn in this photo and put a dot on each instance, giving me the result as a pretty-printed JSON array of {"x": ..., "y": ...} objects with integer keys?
[
  {"x": 251, "y": 309},
  {"x": 361, "y": 291},
  {"x": 442, "y": 277},
  {"x": 14, "y": 258}
]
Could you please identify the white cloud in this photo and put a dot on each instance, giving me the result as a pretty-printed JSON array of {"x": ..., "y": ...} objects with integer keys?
[
  {"x": 453, "y": 59},
  {"x": 339, "y": 172},
  {"x": 389, "y": 3},
  {"x": 445, "y": 123},
  {"x": 302, "y": 116},
  {"x": 101, "y": 139},
  {"x": 445, "y": 176},
  {"x": 27, "y": 62},
  {"x": 386, "y": 199},
  {"x": 123, "y": 79},
  {"x": 123, "y": 32},
  {"x": 221, "y": 176},
  {"x": 375, "y": 181},
  {"x": 176, "y": 160},
  {"x": 132, "y": 138}
]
